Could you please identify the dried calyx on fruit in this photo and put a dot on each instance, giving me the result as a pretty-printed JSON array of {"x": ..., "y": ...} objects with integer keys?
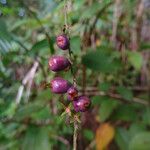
[
  {"x": 62, "y": 42},
  {"x": 58, "y": 63},
  {"x": 81, "y": 104},
  {"x": 72, "y": 93},
  {"x": 59, "y": 85}
]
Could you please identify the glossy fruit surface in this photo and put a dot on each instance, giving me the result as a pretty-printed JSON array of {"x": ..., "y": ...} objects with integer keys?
[
  {"x": 62, "y": 42},
  {"x": 81, "y": 104},
  {"x": 58, "y": 63},
  {"x": 60, "y": 85},
  {"x": 72, "y": 93}
]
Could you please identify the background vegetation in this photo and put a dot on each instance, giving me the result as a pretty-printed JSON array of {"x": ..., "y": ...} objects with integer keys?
[{"x": 110, "y": 40}]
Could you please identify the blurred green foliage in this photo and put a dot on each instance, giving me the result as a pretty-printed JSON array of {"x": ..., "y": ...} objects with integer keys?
[{"x": 117, "y": 74}]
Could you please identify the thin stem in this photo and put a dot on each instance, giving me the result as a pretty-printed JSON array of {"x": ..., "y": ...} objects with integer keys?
[
  {"x": 75, "y": 134},
  {"x": 71, "y": 67},
  {"x": 72, "y": 73},
  {"x": 65, "y": 13}
]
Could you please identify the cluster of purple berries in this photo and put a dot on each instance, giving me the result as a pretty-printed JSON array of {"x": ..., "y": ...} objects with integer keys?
[{"x": 60, "y": 85}]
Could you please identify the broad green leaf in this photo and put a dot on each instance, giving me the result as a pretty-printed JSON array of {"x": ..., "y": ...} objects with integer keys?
[
  {"x": 36, "y": 139},
  {"x": 145, "y": 45},
  {"x": 122, "y": 138},
  {"x": 125, "y": 113},
  {"x": 97, "y": 100},
  {"x": 141, "y": 141},
  {"x": 27, "y": 110},
  {"x": 125, "y": 93},
  {"x": 135, "y": 59},
  {"x": 146, "y": 116},
  {"x": 106, "y": 108},
  {"x": 76, "y": 45},
  {"x": 4, "y": 33},
  {"x": 136, "y": 128},
  {"x": 101, "y": 60},
  {"x": 42, "y": 47}
]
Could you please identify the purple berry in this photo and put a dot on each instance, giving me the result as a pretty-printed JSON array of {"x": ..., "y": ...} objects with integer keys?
[
  {"x": 58, "y": 63},
  {"x": 62, "y": 42},
  {"x": 59, "y": 85},
  {"x": 72, "y": 93},
  {"x": 81, "y": 104}
]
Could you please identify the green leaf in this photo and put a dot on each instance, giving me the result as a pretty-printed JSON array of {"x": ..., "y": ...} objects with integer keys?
[
  {"x": 125, "y": 113},
  {"x": 97, "y": 100},
  {"x": 44, "y": 95},
  {"x": 75, "y": 44},
  {"x": 36, "y": 139},
  {"x": 27, "y": 110},
  {"x": 39, "y": 45},
  {"x": 135, "y": 59},
  {"x": 106, "y": 108},
  {"x": 42, "y": 47},
  {"x": 125, "y": 93},
  {"x": 104, "y": 86},
  {"x": 90, "y": 11},
  {"x": 94, "y": 8},
  {"x": 4, "y": 33},
  {"x": 88, "y": 134},
  {"x": 141, "y": 141},
  {"x": 145, "y": 45},
  {"x": 122, "y": 138},
  {"x": 136, "y": 128},
  {"x": 101, "y": 60},
  {"x": 146, "y": 116}
]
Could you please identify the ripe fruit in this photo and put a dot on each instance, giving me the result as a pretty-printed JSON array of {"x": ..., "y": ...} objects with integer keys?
[
  {"x": 58, "y": 63},
  {"x": 59, "y": 85},
  {"x": 81, "y": 104},
  {"x": 62, "y": 42},
  {"x": 72, "y": 93}
]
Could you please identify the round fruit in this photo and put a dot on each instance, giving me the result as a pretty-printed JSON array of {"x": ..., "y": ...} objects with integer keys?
[
  {"x": 81, "y": 104},
  {"x": 59, "y": 85},
  {"x": 62, "y": 42},
  {"x": 72, "y": 93},
  {"x": 58, "y": 63}
]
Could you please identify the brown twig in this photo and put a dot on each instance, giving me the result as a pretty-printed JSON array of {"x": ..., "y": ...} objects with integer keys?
[
  {"x": 117, "y": 14},
  {"x": 91, "y": 145},
  {"x": 27, "y": 79}
]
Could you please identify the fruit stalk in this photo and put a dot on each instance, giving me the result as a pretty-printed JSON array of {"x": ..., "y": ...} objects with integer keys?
[{"x": 75, "y": 134}]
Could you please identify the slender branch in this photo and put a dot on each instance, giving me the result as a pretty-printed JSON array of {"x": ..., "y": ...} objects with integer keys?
[
  {"x": 91, "y": 145},
  {"x": 75, "y": 135},
  {"x": 97, "y": 16},
  {"x": 83, "y": 79},
  {"x": 117, "y": 97},
  {"x": 117, "y": 14},
  {"x": 28, "y": 78}
]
